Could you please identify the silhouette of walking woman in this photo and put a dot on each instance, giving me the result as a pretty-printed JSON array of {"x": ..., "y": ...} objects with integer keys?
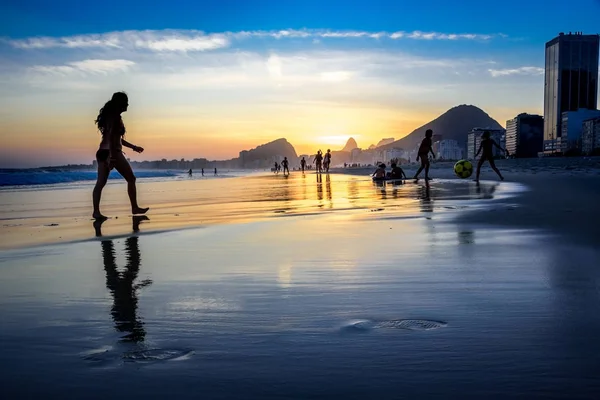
[
  {"x": 124, "y": 290},
  {"x": 110, "y": 154}
]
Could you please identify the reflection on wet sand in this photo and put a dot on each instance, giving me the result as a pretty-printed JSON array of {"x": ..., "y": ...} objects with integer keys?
[
  {"x": 124, "y": 289},
  {"x": 426, "y": 203}
]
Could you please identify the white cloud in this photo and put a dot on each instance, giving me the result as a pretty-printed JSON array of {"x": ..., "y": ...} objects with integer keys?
[
  {"x": 516, "y": 71},
  {"x": 336, "y": 76},
  {"x": 192, "y": 40},
  {"x": 274, "y": 66},
  {"x": 158, "y": 41},
  {"x": 89, "y": 66}
]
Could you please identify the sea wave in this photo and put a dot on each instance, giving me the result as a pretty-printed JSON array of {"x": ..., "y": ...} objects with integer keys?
[{"x": 51, "y": 177}]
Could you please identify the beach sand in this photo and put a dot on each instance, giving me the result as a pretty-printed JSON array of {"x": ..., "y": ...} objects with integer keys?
[{"x": 293, "y": 288}]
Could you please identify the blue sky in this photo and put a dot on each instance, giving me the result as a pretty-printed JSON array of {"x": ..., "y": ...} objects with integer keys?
[{"x": 211, "y": 78}]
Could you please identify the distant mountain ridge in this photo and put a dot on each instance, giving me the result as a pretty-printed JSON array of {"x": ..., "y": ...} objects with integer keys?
[
  {"x": 453, "y": 124},
  {"x": 350, "y": 145}
]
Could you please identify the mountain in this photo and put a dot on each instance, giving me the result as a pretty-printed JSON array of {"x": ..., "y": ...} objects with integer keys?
[
  {"x": 453, "y": 124},
  {"x": 263, "y": 155},
  {"x": 383, "y": 142},
  {"x": 350, "y": 145}
]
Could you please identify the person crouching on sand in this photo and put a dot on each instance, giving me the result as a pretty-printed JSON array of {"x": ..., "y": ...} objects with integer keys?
[
  {"x": 379, "y": 172},
  {"x": 396, "y": 172},
  {"x": 110, "y": 154},
  {"x": 487, "y": 145}
]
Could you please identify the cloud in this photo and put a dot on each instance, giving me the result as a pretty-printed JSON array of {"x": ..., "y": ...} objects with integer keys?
[
  {"x": 516, "y": 71},
  {"x": 86, "y": 66},
  {"x": 157, "y": 41},
  {"x": 193, "y": 40}
]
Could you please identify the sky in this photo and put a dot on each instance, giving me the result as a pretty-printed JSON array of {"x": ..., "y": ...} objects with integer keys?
[{"x": 207, "y": 79}]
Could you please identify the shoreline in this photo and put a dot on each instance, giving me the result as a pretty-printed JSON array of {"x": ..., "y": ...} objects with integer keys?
[{"x": 202, "y": 203}]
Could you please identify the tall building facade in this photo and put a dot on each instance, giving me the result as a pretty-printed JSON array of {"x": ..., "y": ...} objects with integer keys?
[
  {"x": 571, "y": 83},
  {"x": 474, "y": 140},
  {"x": 449, "y": 149},
  {"x": 590, "y": 136},
  {"x": 525, "y": 135}
]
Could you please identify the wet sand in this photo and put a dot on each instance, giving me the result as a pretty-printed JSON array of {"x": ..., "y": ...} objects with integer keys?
[{"x": 300, "y": 291}]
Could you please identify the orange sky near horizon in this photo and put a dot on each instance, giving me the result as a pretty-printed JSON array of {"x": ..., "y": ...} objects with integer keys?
[{"x": 73, "y": 139}]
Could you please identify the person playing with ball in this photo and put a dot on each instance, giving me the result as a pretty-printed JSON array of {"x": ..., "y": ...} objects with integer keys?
[
  {"x": 487, "y": 145},
  {"x": 423, "y": 154}
]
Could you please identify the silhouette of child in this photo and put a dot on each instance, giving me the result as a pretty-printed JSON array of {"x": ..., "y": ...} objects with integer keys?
[
  {"x": 379, "y": 172},
  {"x": 423, "y": 154},
  {"x": 487, "y": 145},
  {"x": 396, "y": 172}
]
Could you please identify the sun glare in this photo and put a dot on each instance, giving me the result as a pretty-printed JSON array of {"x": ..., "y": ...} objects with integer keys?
[{"x": 333, "y": 140}]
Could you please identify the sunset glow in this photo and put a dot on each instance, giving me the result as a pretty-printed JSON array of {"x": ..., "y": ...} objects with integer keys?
[{"x": 223, "y": 87}]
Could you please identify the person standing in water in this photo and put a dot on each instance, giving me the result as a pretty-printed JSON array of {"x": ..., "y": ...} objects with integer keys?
[
  {"x": 423, "y": 154},
  {"x": 110, "y": 153},
  {"x": 285, "y": 166},
  {"x": 327, "y": 160},
  {"x": 318, "y": 160},
  {"x": 202, "y": 172},
  {"x": 215, "y": 171},
  {"x": 487, "y": 145},
  {"x": 303, "y": 164},
  {"x": 190, "y": 172}
]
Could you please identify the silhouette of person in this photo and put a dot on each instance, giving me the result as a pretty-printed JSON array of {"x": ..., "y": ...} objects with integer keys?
[
  {"x": 396, "y": 172},
  {"x": 487, "y": 144},
  {"x": 327, "y": 160},
  {"x": 303, "y": 164},
  {"x": 202, "y": 171},
  {"x": 318, "y": 160},
  {"x": 379, "y": 174},
  {"x": 423, "y": 154},
  {"x": 215, "y": 171},
  {"x": 110, "y": 153},
  {"x": 190, "y": 172},
  {"x": 124, "y": 289},
  {"x": 276, "y": 170},
  {"x": 284, "y": 164}
]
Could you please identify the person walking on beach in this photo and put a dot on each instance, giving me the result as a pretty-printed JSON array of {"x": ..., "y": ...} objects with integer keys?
[
  {"x": 318, "y": 160},
  {"x": 110, "y": 153},
  {"x": 202, "y": 171},
  {"x": 190, "y": 172},
  {"x": 284, "y": 164},
  {"x": 487, "y": 145},
  {"x": 423, "y": 154},
  {"x": 276, "y": 167},
  {"x": 303, "y": 164},
  {"x": 327, "y": 160}
]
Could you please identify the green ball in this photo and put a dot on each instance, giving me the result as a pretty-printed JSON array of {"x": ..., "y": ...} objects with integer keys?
[{"x": 463, "y": 169}]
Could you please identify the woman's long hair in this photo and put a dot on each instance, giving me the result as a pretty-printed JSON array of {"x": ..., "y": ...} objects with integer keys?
[{"x": 111, "y": 109}]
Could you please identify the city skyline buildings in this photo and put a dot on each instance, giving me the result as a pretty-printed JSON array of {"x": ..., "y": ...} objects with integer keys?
[{"x": 571, "y": 83}]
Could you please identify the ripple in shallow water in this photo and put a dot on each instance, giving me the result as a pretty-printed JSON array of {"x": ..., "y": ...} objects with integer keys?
[
  {"x": 106, "y": 356},
  {"x": 410, "y": 324}
]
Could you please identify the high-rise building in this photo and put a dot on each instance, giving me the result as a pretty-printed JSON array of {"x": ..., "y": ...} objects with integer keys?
[
  {"x": 571, "y": 83},
  {"x": 525, "y": 135},
  {"x": 572, "y": 124},
  {"x": 449, "y": 149},
  {"x": 474, "y": 140}
]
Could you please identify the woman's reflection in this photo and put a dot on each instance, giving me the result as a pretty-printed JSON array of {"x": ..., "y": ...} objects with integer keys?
[{"x": 124, "y": 290}]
